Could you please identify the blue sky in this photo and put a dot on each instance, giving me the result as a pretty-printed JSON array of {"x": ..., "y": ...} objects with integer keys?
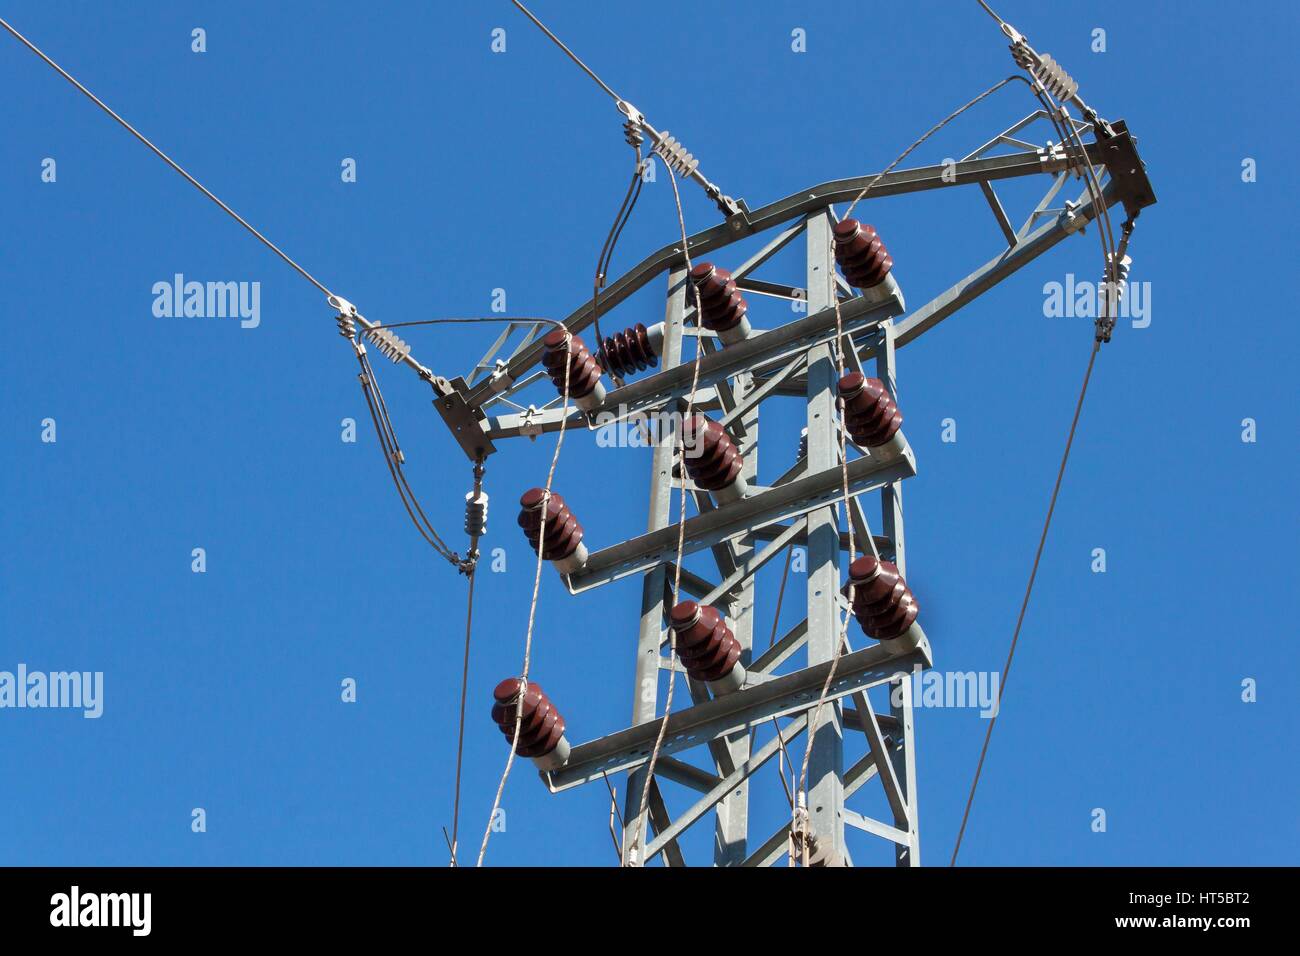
[{"x": 478, "y": 171}]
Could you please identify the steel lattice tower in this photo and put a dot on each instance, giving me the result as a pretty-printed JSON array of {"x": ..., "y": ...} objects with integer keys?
[{"x": 805, "y": 506}]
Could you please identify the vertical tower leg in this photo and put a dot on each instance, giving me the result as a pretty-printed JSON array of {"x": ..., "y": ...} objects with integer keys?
[
  {"x": 646, "y": 697},
  {"x": 826, "y": 764},
  {"x": 900, "y": 691}
]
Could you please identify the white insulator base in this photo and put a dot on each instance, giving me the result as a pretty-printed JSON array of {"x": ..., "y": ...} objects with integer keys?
[
  {"x": 884, "y": 290},
  {"x": 890, "y": 449},
  {"x": 737, "y": 333},
  {"x": 556, "y": 759},
  {"x": 732, "y": 492},
  {"x": 655, "y": 334},
  {"x": 910, "y": 639},
  {"x": 731, "y": 683},
  {"x": 593, "y": 399},
  {"x": 574, "y": 562}
]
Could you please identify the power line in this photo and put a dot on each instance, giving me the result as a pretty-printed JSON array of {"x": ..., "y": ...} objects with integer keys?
[
  {"x": 571, "y": 55},
  {"x": 165, "y": 158},
  {"x": 1029, "y": 590},
  {"x": 460, "y": 734},
  {"x": 681, "y": 524},
  {"x": 532, "y": 608},
  {"x": 933, "y": 129}
]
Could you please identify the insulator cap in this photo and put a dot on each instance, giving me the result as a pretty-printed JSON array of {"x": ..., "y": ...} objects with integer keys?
[
  {"x": 882, "y": 602},
  {"x": 871, "y": 417},
  {"x": 584, "y": 370},
  {"x": 541, "y": 726},
  {"x": 721, "y": 303},
  {"x": 707, "y": 648},
  {"x": 861, "y": 255},
  {"x": 563, "y": 533},
  {"x": 628, "y": 351},
  {"x": 712, "y": 459}
]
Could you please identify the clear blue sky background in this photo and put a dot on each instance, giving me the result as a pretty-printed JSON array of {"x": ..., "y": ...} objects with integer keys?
[{"x": 479, "y": 170}]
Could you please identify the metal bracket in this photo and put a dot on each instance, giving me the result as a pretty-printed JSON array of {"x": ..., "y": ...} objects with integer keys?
[{"x": 460, "y": 418}]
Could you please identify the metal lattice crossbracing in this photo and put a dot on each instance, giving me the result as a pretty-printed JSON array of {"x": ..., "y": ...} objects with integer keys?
[
  {"x": 805, "y": 506},
  {"x": 810, "y": 692}
]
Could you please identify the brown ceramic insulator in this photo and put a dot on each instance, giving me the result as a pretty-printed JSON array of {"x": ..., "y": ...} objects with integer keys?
[
  {"x": 871, "y": 417},
  {"x": 861, "y": 255},
  {"x": 707, "y": 648},
  {"x": 584, "y": 370},
  {"x": 712, "y": 459},
  {"x": 882, "y": 602},
  {"x": 721, "y": 303},
  {"x": 563, "y": 533},
  {"x": 628, "y": 351},
  {"x": 540, "y": 724}
]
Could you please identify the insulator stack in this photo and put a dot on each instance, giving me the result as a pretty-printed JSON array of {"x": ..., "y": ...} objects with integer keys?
[
  {"x": 707, "y": 648},
  {"x": 1050, "y": 73},
  {"x": 585, "y": 386},
  {"x": 722, "y": 305},
  {"x": 476, "y": 510},
  {"x": 862, "y": 256},
  {"x": 563, "y": 542},
  {"x": 871, "y": 415},
  {"x": 632, "y": 350},
  {"x": 712, "y": 459},
  {"x": 882, "y": 602},
  {"x": 675, "y": 156},
  {"x": 541, "y": 728},
  {"x": 1120, "y": 283},
  {"x": 389, "y": 344}
]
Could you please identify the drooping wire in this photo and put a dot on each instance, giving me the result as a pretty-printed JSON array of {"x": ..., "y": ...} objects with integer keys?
[
  {"x": 1112, "y": 255},
  {"x": 1029, "y": 589},
  {"x": 165, "y": 158},
  {"x": 393, "y": 458},
  {"x": 631, "y": 851},
  {"x": 930, "y": 132},
  {"x": 611, "y": 240},
  {"x": 532, "y": 607},
  {"x": 1037, "y": 66},
  {"x": 784, "y": 757},
  {"x": 800, "y": 817},
  {"x": 471, "y": 574}
]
